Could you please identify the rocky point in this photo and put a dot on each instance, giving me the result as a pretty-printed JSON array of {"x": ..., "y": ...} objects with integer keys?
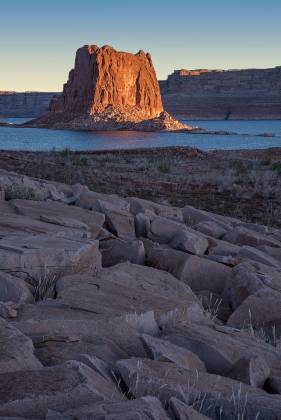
[{"x": 109, "y": 90}]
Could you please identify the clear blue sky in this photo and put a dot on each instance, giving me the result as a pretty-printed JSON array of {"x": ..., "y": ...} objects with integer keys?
[{"x": 38, "y": 39}]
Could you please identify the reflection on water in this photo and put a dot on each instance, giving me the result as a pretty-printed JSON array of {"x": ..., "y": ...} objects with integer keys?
[{"x": 42, "y": 139}]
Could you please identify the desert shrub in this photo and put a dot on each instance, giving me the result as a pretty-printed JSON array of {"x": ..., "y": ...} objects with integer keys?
[
  {"x": 45, "y": 287},
  {"x": 276, "y": 167},
  {"x": 66, "y": 152},
  {"x": 164, "y": 165},
  {"x": 266, "y": 162},
  {"x": 79, "y": 160},
  {"x": 241, "y": 166},
  {"x": 74, "y": 158}
]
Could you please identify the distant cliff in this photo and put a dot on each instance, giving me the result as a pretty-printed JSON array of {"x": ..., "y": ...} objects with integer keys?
[
  {"x": 25, "y": 105},
  {"x": 223, "y": 94},
  {"x": 191, "y": 94}
]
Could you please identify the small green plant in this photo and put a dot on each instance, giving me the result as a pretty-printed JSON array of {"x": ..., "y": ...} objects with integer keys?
[
  {"x": 75, "y": 158},
  {"x": 164, "y": 166},
  {"x": 276, "y": 167},
  {"x": 66, "y": 152},
  {"x": 241, "y": 166},
  {"x": 79, "y": 160}
]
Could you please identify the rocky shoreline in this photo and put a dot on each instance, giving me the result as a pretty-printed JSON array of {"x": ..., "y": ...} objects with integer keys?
[
  {"x": 120, "y": 307},
  {"x": 109, "y": 120}
]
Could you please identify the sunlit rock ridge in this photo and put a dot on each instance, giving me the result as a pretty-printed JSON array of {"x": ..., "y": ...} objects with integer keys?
[{"x": 108, "y": 89}]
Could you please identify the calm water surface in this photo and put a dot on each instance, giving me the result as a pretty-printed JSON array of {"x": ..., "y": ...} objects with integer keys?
[{"x": 42, "y": 139}]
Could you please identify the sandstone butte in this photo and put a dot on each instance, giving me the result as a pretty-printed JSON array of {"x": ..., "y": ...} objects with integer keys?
[{"x": 109, "y": 90}]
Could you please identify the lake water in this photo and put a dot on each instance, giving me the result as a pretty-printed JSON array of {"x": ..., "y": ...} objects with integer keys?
[{"x": 42, "y": 139}]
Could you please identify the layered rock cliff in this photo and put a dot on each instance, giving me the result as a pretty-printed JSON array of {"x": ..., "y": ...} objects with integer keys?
[
  {"x": 24, "y": 104},
  {"x": 108, "y": 89},
  {"x": 219, "y": 94}
]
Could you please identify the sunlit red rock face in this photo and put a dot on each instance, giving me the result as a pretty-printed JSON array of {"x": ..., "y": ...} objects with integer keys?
[
  {"x": 104, "y": 77},
  {"x": 109, "y": 90}
]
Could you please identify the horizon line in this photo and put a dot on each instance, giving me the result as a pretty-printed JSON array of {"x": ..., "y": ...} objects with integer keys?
[{"x": 8, "y": 91}]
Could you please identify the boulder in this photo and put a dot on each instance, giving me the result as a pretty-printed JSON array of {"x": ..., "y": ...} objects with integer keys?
[
  {"x": 165, "y": 258},
  {"x": 14, "y": 224},
  {"x": 199, "y": 273},
  {"x": 260, "y": 310},
  {"x": 115, "y": 251},
  {"x": 127, "y": 289},
  {"x": 100, "y": 366},
  {"x": 240, "y": 404},
  {"x": 139, "y": 205},
  {"x": 211, "y": 228},
  {"x": 16, "y": 351},
  {"x": 243, "y": 236},
  {"x": 254, "y": 371},
  {"x": 166, "y": 380},
  {"x": 23, "y": 187},
  {"x": 119, "y": 220},
  {"x": 121, "y": 223},
  {"x": 189, "y": 241},
  {"x": 62, "y": 336},
  {"x": 221, "y": 347},
  {"x": 14, "y": 289},
  {"x": 61, "y": 214},
  {"x": 193, "y": 216},
  {"x": 163, "y": 229},
  {"x": 142, "y": 408},
  {"x": 272, "y": 251},
  {"x": 182, "y": 411},
  {"x": 223, "y": 259},
  {"x": 2, "y": 193},
  {"x": 33, "y": 392},
  {"x": 98, "y": 202},
  {"x": 273, "y": 385},
  {"x": 142, "y": 225},
  {"x": 254, "y": 254},
  {"x": 164, "y": 351},
  {"x": 178, "y": 236},
  {"x": 223, "y": 248},
  {"x": 8, "y": 310},
  {"x": 248, "y": 278},
  {"x": 47, "y": 255}
]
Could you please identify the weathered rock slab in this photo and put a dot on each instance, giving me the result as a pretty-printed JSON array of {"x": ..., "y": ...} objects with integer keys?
[
  {"x": 32, "y": 393},
  {"x": 164, "y": 351},
  {"x": 43, "y": 255},
  {"x": 16, "y": 350}
]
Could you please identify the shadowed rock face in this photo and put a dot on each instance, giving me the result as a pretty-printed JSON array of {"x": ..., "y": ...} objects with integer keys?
[
  {"x": 24, "y": 104},
  {"x": 221, "y": 94},
  {"x": 104, "y": 77}
]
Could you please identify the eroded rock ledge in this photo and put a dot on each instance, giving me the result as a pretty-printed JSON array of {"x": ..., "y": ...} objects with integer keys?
[
  {"x": 124, "y": 308},
  {"x": 219, "y": 94}
]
